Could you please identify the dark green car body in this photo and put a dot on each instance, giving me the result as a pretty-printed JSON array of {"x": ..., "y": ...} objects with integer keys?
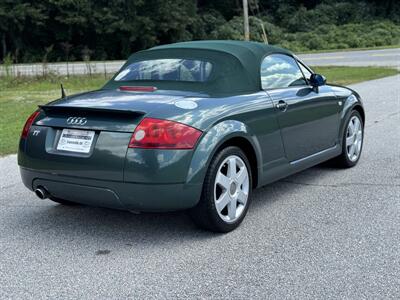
[{"x": 278, "y": 142}]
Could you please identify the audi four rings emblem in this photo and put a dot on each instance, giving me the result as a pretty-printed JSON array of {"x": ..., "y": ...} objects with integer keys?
[{"x": 76, "y": 121}]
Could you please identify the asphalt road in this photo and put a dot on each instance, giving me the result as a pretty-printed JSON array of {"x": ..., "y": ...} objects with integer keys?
[
  {"x": 385, "y": 57},
  {"x": 323, "y": 233}
]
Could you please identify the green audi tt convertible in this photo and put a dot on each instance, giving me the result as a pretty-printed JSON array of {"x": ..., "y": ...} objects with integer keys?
[{"x": 190, "y": 126}]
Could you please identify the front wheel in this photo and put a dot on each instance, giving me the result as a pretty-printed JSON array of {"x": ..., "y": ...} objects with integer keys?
[
  {"x": 352, "y": 141},
  {"x": 226, "y": 192}
]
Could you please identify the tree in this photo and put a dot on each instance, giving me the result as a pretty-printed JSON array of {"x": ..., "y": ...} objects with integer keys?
[
  {"x": 113, "y": 29},
  {"x": 17, "y": 19}
]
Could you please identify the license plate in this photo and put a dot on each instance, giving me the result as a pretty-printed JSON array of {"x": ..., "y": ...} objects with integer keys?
[{"x": 74, "y": 140}]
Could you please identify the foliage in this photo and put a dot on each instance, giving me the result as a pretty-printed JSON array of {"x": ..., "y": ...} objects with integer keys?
[
  {"x": 7, "y": 66},
  {"x": 344, "y": 36},
  {"x": 113, "y": 29}
]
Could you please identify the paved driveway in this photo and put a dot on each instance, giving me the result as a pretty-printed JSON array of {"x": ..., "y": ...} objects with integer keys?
[{"x": 323, "y": 233}]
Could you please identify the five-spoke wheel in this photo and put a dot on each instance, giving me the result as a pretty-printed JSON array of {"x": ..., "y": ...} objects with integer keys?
[
  {"x": 352, "y": 142},
  {"x": 231, "y": 188},
  {"x": 354, "y": 137}
]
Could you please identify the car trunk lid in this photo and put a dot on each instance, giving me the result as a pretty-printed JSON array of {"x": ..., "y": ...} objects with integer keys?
[
  {"x": 108, "y": 110},
  {"x": 104, "y": 120}
]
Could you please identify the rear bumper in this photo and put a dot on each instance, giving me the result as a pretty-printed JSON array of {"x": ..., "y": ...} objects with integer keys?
[{"x": 115, "y": 194}]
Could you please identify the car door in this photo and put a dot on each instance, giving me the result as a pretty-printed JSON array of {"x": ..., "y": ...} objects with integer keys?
[{"x": 307, "y": 116}]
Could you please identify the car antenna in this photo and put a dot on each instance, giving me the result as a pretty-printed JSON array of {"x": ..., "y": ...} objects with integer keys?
[{"x": 62, "y": 91}]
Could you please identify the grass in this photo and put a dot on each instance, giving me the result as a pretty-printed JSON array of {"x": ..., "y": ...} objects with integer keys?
[
  {"x": 349, "y": 75},
  {"x": 19, "y": 97}
]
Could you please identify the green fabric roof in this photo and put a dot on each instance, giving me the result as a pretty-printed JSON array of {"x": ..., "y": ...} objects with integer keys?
[{"x": 236, "y": 65}]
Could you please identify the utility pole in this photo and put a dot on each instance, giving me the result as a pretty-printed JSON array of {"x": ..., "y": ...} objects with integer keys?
[{"x": 246, "y": 20}]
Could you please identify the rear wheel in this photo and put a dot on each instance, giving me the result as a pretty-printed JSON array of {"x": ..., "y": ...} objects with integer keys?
[
  {"x": 226, "y": 192},
  {"x": 352, "y": 141}
]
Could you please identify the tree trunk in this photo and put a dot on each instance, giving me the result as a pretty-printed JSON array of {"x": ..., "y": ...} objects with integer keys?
[
  {"x": 246, "y": 20},
  {"x": 16, "y": 54},
  {"x": 4, "y": 45}
]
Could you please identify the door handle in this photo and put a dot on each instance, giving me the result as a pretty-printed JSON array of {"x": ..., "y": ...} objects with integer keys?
[{"x": 282, "y": 105}]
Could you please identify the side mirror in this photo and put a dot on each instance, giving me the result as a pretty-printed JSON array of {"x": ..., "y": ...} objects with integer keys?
[{"x": 317, "y": 80}]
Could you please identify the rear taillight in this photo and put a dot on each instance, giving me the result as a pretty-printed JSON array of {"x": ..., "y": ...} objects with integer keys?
[
  {"x": 28, "y": 124},
  {"x": 163, "y": 134}
]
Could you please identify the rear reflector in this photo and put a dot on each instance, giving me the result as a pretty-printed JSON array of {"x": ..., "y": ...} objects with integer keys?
[
  {"x": 28, "y": 124},
  {"x": 138, "y": 88},
  {"x": 164, "y": 134}
]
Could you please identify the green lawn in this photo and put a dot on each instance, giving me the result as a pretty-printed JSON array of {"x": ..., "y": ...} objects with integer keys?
[
  {"x": 349, "y": 75},
  {"x": 19, "y": 97}
]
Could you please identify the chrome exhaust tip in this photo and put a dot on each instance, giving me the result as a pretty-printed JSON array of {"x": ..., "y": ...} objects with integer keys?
[{"x": 41, "y": 193}]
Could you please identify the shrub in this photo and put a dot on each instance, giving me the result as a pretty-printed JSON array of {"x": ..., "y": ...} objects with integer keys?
[{"x": 365, "y": 34}]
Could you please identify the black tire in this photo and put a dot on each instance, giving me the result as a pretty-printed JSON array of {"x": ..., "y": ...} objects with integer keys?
[
  {"x": 343, "y": 159},
  {"x": 205, "y": 214},
  {"x": 63, "y": 202}
]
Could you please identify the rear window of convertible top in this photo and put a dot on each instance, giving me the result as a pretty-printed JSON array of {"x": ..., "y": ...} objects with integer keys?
[{"x": 168, "y": 69}]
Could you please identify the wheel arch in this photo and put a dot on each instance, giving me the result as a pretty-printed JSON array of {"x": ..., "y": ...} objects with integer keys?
[
  {"x": 353, "y": 102},
  {"x": 361, "y": 111},
  {"x": 221, "y": 135},
  {"x": 248, "y": 149}
]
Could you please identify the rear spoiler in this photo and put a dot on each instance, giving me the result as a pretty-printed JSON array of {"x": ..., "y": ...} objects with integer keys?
[{"x": 55, "y": 109}]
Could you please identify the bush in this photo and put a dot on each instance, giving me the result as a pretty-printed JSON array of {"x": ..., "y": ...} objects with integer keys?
[
  {"x": 233, "y": 30},
  {"x": 311, "y": 36},
  {"x": 324, "y": 37}
]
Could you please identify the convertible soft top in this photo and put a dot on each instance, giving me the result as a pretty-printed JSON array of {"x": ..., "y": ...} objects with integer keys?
[{"x": 236, "y": 66}]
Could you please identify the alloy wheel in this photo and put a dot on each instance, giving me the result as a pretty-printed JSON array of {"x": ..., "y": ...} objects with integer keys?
[
  {"x": 231, "y": 188},
  {"x": 354, "y": 138}
]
